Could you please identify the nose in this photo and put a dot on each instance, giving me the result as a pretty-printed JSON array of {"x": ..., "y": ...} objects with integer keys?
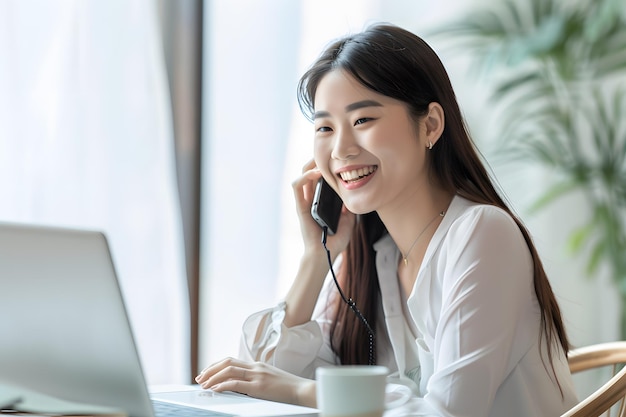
[{"x": 345, "y": 146}]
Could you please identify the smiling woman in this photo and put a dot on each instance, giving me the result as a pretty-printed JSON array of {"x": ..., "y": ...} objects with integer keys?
[
  {"x": 250, "y": 115},
  {"x": 351, "y": 120},
  {"x": 426, "y": 249}
]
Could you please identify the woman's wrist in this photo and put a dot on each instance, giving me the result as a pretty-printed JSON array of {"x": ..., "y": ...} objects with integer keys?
[
  {"x": 306, "y": 394},
  {"x": 302, "y": 296},
  {"x": 313, "y": 264},
  {"x": 314, "y": 251}
]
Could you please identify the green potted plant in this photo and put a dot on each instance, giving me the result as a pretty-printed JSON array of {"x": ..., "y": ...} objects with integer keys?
[{"x": 558, "y": 71}]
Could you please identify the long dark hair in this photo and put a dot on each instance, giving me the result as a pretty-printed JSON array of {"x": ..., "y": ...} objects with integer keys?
[{"x": 398, "y": 64}]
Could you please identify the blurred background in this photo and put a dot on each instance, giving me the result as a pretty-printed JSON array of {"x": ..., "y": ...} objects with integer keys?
[{"x": 172, "y": 125}]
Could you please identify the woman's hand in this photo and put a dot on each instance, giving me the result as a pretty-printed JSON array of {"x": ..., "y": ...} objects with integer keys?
[
  {"x": 259, "y": 380},
  {"x": 304, "y": 189}
]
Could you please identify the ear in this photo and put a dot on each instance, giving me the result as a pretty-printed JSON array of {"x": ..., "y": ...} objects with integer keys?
[{"x": 434, "y": 123}]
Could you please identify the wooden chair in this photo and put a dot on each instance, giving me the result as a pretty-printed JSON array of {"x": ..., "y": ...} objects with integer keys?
[{"x": 611, "y": 395}]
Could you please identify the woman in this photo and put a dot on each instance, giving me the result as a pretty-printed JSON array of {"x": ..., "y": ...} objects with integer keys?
[{"x": 463, "y": 311}]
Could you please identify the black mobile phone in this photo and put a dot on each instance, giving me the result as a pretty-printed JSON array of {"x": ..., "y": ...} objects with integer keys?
[{"x": 326, "y": 207}]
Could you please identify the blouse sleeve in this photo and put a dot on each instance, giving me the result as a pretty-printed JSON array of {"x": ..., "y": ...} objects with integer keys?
[{"x": 298, "y": 349}]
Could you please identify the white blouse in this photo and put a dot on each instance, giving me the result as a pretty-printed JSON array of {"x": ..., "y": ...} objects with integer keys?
[{"x": 468, "y": 339}]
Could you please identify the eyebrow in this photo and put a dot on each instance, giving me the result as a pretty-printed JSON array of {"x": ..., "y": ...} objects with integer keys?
[{"x": 350, "y": 107}]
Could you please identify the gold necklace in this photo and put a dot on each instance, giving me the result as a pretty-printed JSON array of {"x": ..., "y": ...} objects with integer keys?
[{"x": 405, "y": 257}]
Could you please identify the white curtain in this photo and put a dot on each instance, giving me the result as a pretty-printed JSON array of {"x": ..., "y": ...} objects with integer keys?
[{"x": 86, "y": 141}]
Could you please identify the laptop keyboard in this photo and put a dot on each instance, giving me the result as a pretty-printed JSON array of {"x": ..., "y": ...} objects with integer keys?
[{"x": 163, "y": 409}]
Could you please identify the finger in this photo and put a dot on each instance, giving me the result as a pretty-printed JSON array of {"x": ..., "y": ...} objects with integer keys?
[
  {"x": 309, "y": 165},
  {"x": 234, "y": 385},
  {"x": 208, "y": 371},
  {"x": 307, "y": 176},
  {"x": 218, "y": 367},
  {"x": 304, "y": 187},
  {"x": 232, "y": 372}
]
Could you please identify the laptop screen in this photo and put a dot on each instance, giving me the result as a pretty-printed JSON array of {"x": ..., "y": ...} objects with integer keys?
[{"x": 63, "y": 325}]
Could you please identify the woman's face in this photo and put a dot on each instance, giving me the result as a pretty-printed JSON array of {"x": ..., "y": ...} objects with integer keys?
[{"x": 367, "y": 146}]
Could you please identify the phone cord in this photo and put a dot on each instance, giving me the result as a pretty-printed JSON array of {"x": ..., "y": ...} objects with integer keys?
[{"x": 350, "y": 302}]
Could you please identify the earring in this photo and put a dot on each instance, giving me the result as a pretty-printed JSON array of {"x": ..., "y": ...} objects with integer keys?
[{"x": 430, "y": 145}]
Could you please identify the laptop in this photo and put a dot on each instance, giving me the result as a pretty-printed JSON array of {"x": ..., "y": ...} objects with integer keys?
[{"x": 64, "y": 331}]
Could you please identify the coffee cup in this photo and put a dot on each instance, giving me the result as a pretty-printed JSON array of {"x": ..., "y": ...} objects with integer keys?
[{"x": 351, "y": 390}]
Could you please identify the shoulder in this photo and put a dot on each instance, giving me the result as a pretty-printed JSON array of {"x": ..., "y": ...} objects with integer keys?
[
  {"x": 483, "y": 231},
  {"x": 483, "y": 243},
  {"x": 476, "y": 220}
]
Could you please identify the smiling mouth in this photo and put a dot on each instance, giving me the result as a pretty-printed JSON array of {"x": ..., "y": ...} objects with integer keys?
[{"x": 357, "y": 174}]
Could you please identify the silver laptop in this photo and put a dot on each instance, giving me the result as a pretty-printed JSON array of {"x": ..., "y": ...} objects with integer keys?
[{"x": 64, "y": 330}]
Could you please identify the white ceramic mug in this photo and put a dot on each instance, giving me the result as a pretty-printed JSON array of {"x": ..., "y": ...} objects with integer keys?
[{"x": 351, "y": 390}]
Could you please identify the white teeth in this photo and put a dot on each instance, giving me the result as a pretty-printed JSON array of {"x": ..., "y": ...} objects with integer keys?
[{"x": 357, "y": 173}]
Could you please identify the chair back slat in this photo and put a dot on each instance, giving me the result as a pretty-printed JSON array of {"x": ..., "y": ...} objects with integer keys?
[{"x": 612, "y": 394}]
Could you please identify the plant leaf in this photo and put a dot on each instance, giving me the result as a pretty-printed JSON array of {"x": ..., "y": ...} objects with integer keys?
[{"x": 554, "y": 192}]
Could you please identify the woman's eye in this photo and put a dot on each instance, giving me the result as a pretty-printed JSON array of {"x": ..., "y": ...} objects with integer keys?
[
  {"x": 362, "y": 120},
  {"x": 323, "y": 129}
]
